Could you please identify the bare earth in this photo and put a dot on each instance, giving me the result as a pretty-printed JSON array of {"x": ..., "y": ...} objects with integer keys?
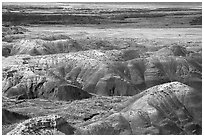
[{"x": 94, "y": 69}]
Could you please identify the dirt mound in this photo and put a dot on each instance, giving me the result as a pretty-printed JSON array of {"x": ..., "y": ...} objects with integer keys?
[
  {"x": 165, "y": 69},
  {"x": 47, "y": 36},
  {"x": 68, "y": 92},
  {"x": 131, "y": 54},
  {"x": 114, "y": 86},
  {"x": 9, "y": 117},
  {"x": 179, "y": 50},
  {"x": 174, "y": 50},
  {"x": 115, "y": 124},
  {"x": 8, "y": 30},
  {"x": 31, "y": 86},
  {"x": 196, "y": 21},
  {"x": 166, "y": 51},
  {"x": 110, "y": 43},
  {"x": 6, "y": 49},
  {"x": 169, "y": 108},
  {"x": 62, "y": 92},
  {"x": 20, "y": 91},
  {"x": 135, "y": 72},
  {"x": 52, "y": 37},
  {"x": 92, "y": 71},
  {"x": 20, "y": 84},
  {"x": 41, "y": 47},
  {"x": 46, "y": 125},
  {"x": 152, "y": 75},
  {"x": 6, "y": 84}
]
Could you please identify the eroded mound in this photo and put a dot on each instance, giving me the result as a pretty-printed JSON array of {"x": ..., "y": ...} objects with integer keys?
[
  {"x": 6, "y": 49},
  {"x": 9, "y": 30},
  {"x": 101, "y": 69},
  {"x": 63, "y": 92},
  {"x": 174, "y": 50},
  {"x": 41, "y": 47},
  {"x": 47, "y": 125},
  {"x": 100, "y": 72},
  {"x": 172, "y": 108}
]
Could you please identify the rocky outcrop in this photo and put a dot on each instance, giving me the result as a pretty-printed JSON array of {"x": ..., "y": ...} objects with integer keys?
[{"x": 45, "y": 125}]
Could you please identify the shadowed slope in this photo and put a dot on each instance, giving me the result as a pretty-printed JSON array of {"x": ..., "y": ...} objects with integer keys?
[
  {"x": 106, "y": 72},
  {"x": 9, "y": 117},
  {"x": 171, "y": 108},
  {"x": 47, "y": 125}
]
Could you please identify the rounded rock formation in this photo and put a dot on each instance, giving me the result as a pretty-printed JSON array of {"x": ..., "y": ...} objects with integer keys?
[{"x": 45, "y": 125}]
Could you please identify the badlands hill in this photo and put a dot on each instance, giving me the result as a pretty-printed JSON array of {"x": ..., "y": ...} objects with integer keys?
[
  {"x": 100, "y": 72},
  {"x": 123, "y": 71},
  {"x": 87, "y": 74},
  {"x": 171, "y": 108}
]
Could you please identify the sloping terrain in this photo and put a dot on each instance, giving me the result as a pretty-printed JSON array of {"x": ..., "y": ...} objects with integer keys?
[
  {"x": 99, "y": 72},
  {"x": 172, "y": 108},
  {"x": 105, "y": 69},
  {"x": 11, "y": 117},
  {"x": 41, "y": 47}
]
